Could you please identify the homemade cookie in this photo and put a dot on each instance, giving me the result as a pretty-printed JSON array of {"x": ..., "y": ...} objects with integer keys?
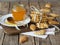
[
  {"x": 33, "y": 27},
  {"x": 40, "y": 32},
  {"x": 53, "y": 22},
  {"x": 48, "y": 5},
  {"x": 23, "y": 39},
  {"x": 42, "y": 25},
  {"x": 53, "y": 15},
  {"x": 45, "y": 10}
]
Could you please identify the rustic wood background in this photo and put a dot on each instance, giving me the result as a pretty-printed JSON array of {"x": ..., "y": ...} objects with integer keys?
[{"x": 5, "y": 8}]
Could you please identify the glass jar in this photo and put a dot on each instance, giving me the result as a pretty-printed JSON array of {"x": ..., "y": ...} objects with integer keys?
[{"x": 18, "y": 12}]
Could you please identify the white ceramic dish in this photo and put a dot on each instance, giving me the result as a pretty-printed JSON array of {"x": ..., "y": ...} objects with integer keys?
[{"x": 3, "y": 21}]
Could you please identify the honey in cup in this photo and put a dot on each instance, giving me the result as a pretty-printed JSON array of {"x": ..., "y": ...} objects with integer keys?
[{"x": 18, "y": 13}]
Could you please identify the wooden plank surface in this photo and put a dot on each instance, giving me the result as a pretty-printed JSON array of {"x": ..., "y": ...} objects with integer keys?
[
  {"x": 57, "y": 11},
  {"x": 41, "y": 3},
  {"x": 14, "y": 40},
  {"x": 11, "y": 4},
  {"x": 55, "y": 39},
  {"x": 1, "y": 36},
  {"x": 10, "y": 40},
  {"x": 3, "y": 10},
  {"x": 4, "y": 6},
  {"x": 46, "y": 41},
  {"x": 55, "y": 3}
]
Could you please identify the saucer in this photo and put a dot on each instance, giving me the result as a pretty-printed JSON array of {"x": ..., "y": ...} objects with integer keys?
[{"x": 4, "y": 18}]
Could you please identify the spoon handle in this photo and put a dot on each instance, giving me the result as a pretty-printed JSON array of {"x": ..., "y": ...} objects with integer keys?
[
  {"x": 57, "y": 28},
  {"x": 17, "y": 27}
]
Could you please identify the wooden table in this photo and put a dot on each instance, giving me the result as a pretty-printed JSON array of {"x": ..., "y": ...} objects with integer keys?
[{"x": 14, "y": 39}]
